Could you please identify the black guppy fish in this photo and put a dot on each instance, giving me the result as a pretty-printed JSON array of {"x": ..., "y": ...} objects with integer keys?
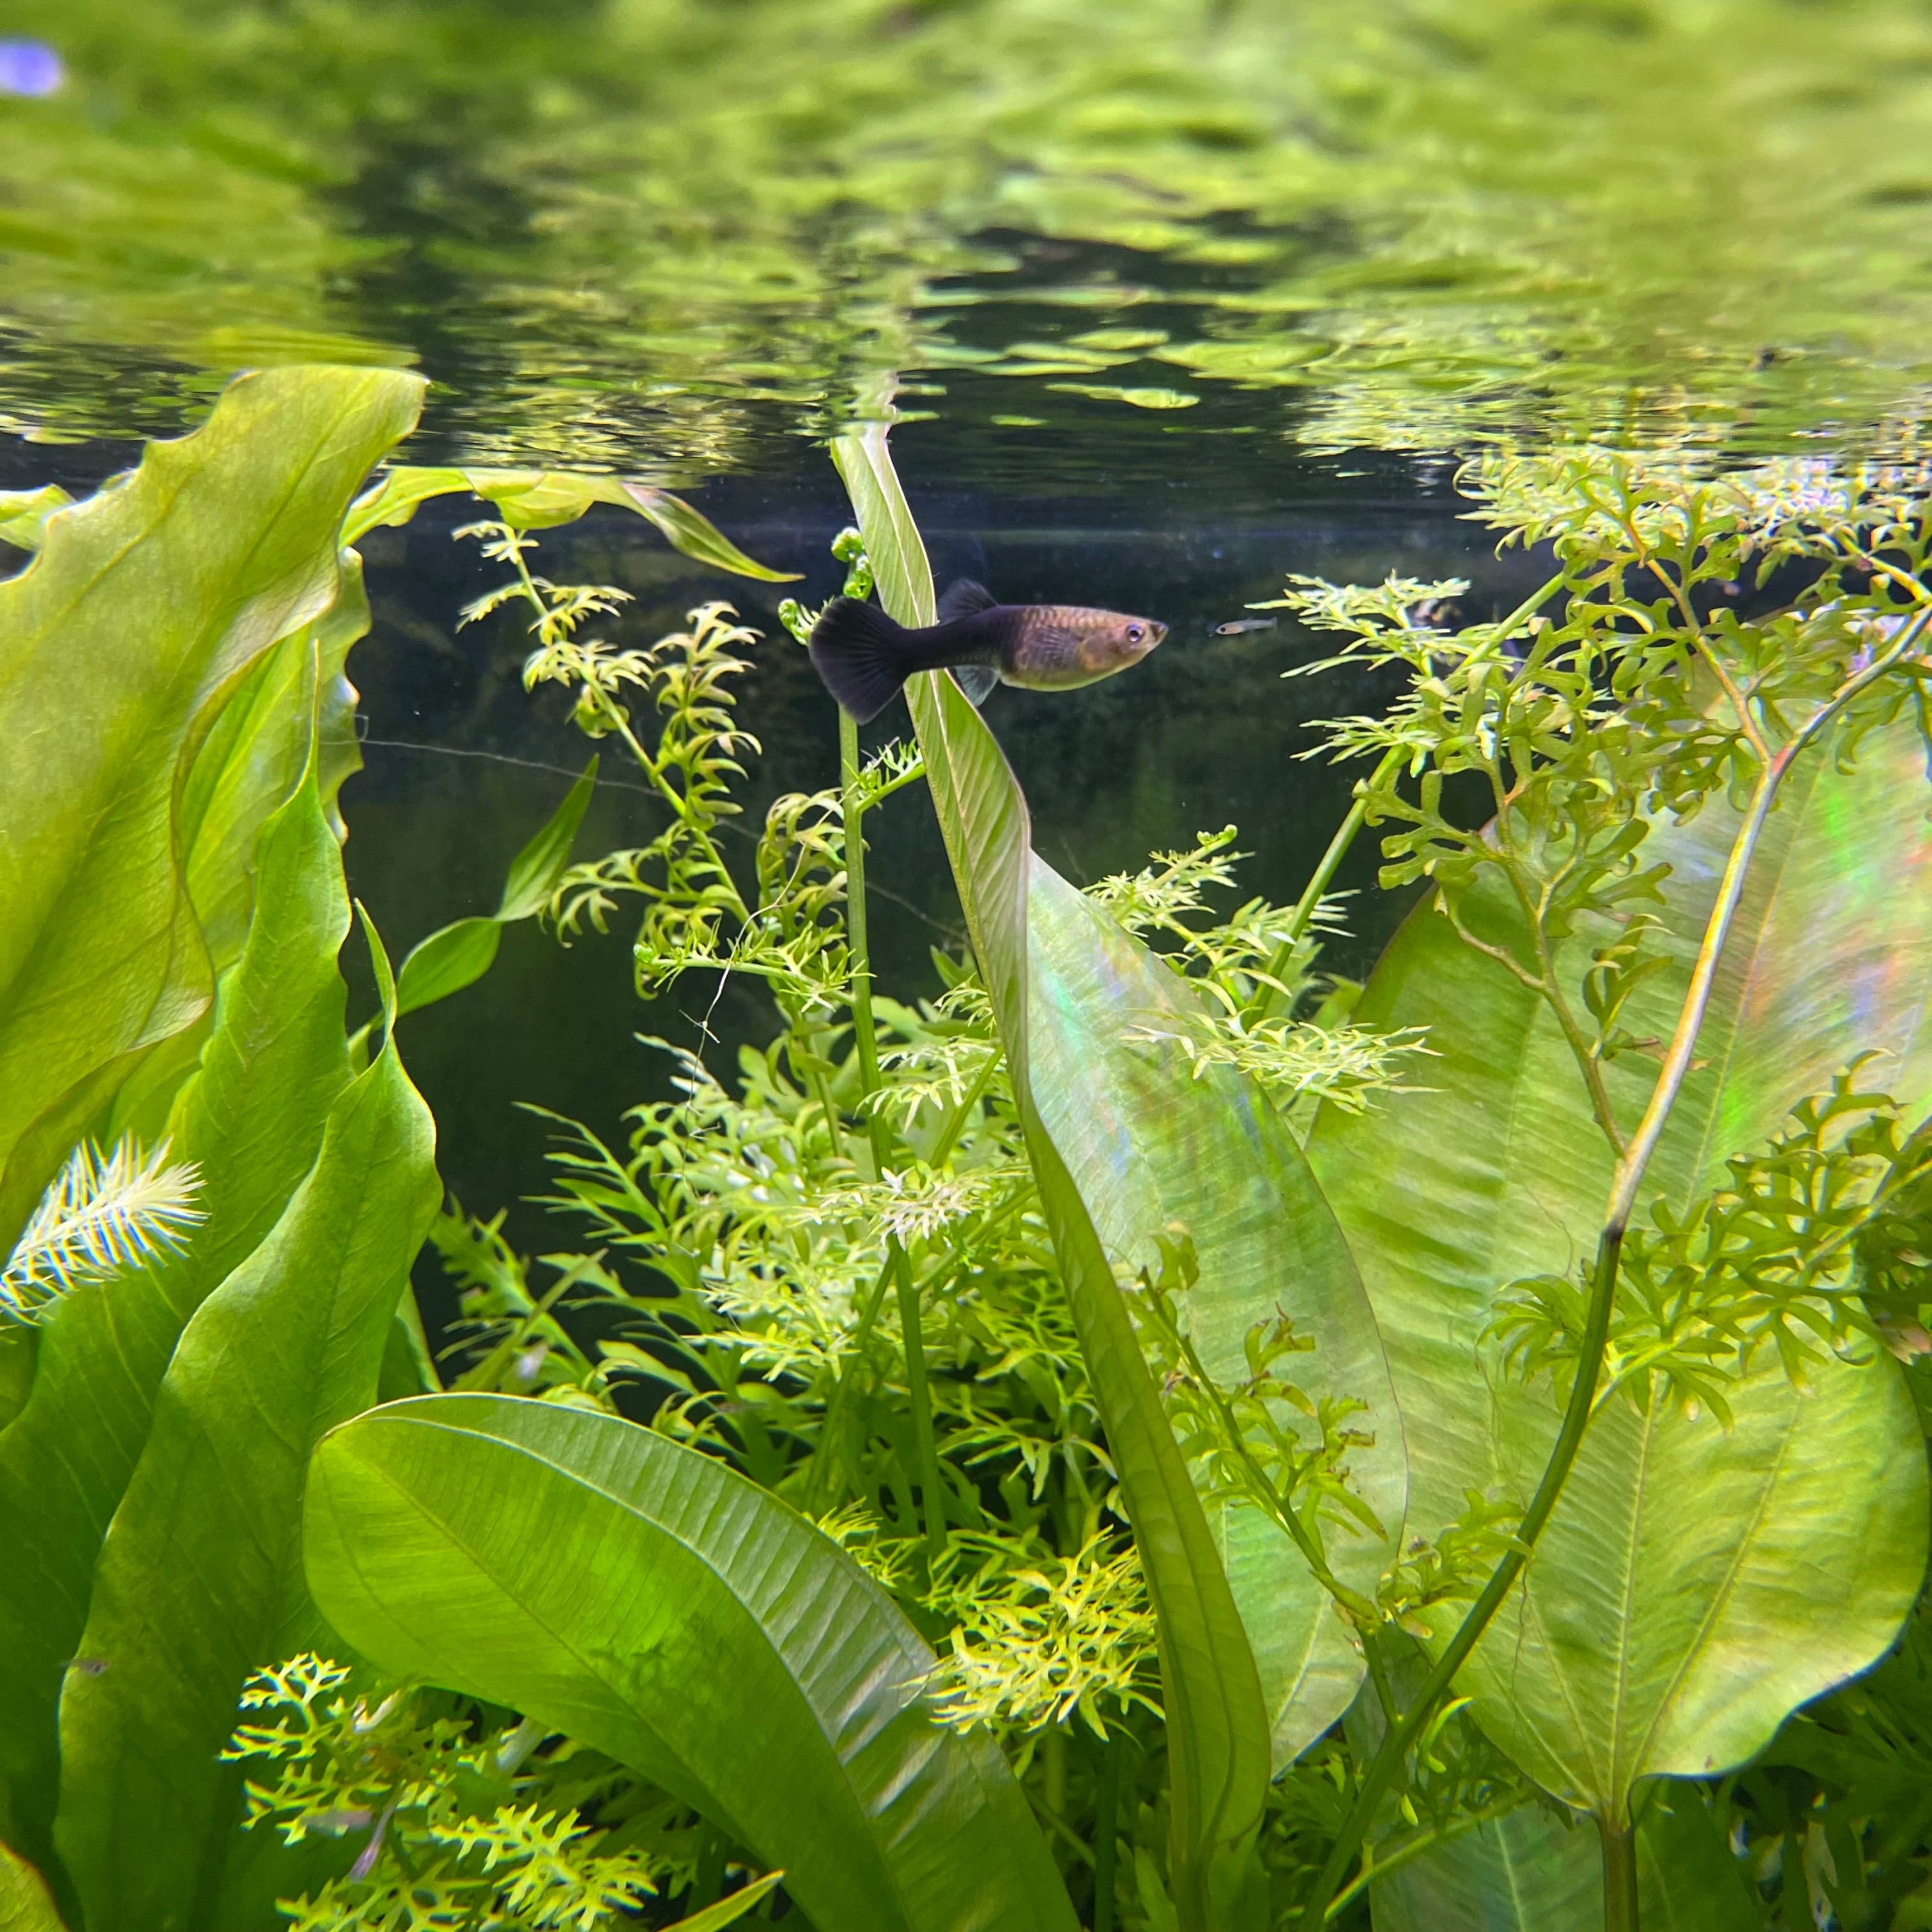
[{"x": 865, "y": 657}]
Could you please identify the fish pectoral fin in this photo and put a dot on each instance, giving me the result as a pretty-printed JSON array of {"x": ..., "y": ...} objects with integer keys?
[
  {"x": 964, "y": 598},
  {"x": 976, "y": 681}
]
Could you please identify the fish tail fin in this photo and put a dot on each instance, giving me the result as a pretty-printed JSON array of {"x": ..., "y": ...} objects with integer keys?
[{"x": 861, "y": 654}]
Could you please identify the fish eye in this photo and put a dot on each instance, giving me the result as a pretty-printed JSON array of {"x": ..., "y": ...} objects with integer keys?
[{"x": 1135, "y": 633}]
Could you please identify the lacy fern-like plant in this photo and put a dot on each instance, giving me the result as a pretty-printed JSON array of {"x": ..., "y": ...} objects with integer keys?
[
  {"x": 103, "y": 1215},
  {"x": 453, "y": 1829},
  {"x": 1265, "y": 1009},
  {"x": 1775, "y": 1259}
]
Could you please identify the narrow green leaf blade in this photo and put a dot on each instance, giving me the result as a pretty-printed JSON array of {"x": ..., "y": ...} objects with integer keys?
[
  {"x": 1218, "y": 1731},
  {"x": 1152, "y": 1146},
  {"x": 652, "y": 1602},
  {"x": 535, "y": 499},
  {"x": 536, "y": 870},
  {"x": 685, "y": 530},
  {"x": 726, "y": 1911},
  {"x": 458, "y": 954},
  {"x": 451, "y": 959},
  {"x": 200, "y": 1579},
  {"x": 1694, "y": 1585},
  {"x": 122, "y": 639}
]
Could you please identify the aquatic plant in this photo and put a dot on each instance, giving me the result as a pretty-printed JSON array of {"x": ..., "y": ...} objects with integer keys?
[
  {"x": 178, "y": 726},
  {"x": 1141, "y": 1436},
  {"x": 1631, "y": 701}
]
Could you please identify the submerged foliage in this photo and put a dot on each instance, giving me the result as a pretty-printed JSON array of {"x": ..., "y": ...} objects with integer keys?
[{"x": 1135, "y": 1401}]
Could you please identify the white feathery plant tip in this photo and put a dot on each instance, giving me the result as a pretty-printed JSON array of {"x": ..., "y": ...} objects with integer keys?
[{"x": 103, "y": 1214}]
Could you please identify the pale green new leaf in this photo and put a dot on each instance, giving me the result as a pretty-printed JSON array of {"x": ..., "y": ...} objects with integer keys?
[
  {"x": 119, "y": 642},
  {"x": 653, "y": 1602},
  {"x": 458, "y": 954},
  {"x": 200, "y": 1578},
  {"x": 535, "y": 499},
  {"x": 1218, "y": 1731},
  {"x": 1694, "y": 1585}
]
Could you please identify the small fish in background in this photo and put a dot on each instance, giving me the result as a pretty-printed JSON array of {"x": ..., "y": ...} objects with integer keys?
[
  {"x": 865, "y": 657},
  {"x": 30, "y": 69},
  {"x": 1234, "y": 626}
]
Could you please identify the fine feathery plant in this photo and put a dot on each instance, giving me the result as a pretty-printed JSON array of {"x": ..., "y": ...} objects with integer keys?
[
  {"x": 103, "y": 1214},
  {"x": 460, "y": 1826}
]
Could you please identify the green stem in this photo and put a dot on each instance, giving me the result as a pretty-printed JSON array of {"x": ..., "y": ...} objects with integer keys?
[
  {"x": 1396, "y": 1743},
  {"x": 819, "y": 1501},
  {"x": 852, "y": 815},
  {"x": 943, "y": 1146},
  {"x": 1620, "y": 1892},
  {"x": 865, "y": 1038},
  {"x": 1106, "y": 1831},
  {"x": 1283, "y": 957},
  {"x": 1378, "y": 1676},
  {"x": 925, "y": 1451}
]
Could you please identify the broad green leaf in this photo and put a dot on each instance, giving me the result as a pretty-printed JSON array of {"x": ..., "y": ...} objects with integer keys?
[
  {"x": 24, "y": 513},
  {"x": 119, "y": 643},
  {"x": 1217, "y": 1723},
  {"x": 1531, "y": 1872},
  {"x": 255, "y": 755},
  {"x": 536, "y": 500},
  {"x": 652, "y": 1602},
  {"x": 200, "y": 1578},
  {"x": 457, "y": 955},
  {"x": 26, "y": 1905},
  {"x": 251, "y": 1119},
  {"x": 253, "y": 759},
  {"x": 1694, "y": 1585},
  {"x": 1152, "y": 1147}
]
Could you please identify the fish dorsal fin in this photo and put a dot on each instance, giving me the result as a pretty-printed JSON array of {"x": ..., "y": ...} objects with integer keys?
[
  {"x": 964, "y": 599},
  {"x": 977, "y": 681}
]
